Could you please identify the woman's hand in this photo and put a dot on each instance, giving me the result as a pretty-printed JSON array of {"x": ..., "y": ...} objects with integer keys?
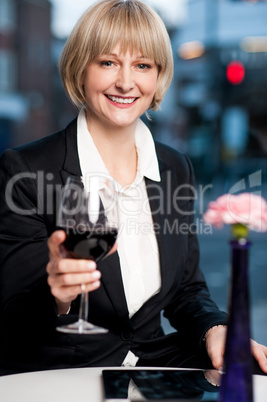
[
  {"x": 215, "y": 345},
  {"x": 260, "y": 353},
  {"x": 68, "y": 277}
]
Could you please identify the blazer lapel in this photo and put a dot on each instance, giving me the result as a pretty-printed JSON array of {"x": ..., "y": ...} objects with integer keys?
[
  {"x": 71, "y": 165},
  {"x": 112, "y": 281},
  {"x": 165, "y": 222}
]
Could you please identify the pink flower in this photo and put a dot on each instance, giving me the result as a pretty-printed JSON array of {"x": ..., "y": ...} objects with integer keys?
[{"x": 247, "y": 209}]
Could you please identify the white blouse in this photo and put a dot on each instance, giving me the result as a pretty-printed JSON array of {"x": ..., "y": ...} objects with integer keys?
[{"x": 137, "y": 244}]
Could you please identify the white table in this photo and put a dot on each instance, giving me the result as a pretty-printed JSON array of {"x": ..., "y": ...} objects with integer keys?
[{"x": 74, "y": 385}]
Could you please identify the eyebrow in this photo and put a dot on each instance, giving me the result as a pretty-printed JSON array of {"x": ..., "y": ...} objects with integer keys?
[{"x": 116, "y": 55}]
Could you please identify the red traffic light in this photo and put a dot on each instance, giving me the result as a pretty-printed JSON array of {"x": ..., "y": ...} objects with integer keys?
[{"x": 235, "y": 72}]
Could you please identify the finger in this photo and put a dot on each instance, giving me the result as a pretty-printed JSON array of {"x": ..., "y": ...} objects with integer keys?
[
  {"x": 215, "y": 344},
  {"x": 260, "y": 353},
  {"x": 90, "y": 287},
  {"x": 216, "y": 354},
  {"x": 54, "y": 242},
  {"x": 217, "y": 359},
  {"x": 73, "y": 279},
  {"x": 67, "y": 265}
]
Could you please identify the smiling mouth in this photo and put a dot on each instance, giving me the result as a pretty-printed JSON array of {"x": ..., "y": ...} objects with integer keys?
[{"x": 123, "y": 101}]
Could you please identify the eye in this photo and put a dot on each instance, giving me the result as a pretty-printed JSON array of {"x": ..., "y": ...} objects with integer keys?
[
  {"x": 106, "y": 63},
  {"x": 143, "y": 66}
]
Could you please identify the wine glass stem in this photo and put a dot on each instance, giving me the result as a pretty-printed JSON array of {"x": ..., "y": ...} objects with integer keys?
[{"x": 84, "y": 307}]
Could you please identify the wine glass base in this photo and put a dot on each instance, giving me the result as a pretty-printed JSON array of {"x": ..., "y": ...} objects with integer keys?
[{"x": 82, "y": 327}]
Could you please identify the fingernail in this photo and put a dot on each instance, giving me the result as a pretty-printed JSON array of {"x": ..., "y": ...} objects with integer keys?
[
  {"x": 96, "y": 275},
  {"x": 91, "y": 265}
]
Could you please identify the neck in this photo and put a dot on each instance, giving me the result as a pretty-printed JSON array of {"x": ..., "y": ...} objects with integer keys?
[{"x": 116, "y": 146}]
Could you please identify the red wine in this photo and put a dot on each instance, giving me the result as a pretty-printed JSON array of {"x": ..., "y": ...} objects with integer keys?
[{"x": 93, "y": 245}]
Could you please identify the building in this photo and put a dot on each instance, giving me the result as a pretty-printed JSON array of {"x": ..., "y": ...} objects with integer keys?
[{"x": 26, "y": 80}]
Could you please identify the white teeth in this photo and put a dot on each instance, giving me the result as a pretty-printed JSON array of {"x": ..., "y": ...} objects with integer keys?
[{"x": 121, "y": 100}]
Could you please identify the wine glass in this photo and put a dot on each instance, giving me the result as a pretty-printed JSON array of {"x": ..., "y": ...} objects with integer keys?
[{"x": 88, "y": 214}]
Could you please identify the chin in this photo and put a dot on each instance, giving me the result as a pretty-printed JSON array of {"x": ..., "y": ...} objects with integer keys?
[{"x": 124, "y": 122}]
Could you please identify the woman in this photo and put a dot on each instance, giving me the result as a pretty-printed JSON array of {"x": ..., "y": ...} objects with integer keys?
[{"x": 116, "y": 65}]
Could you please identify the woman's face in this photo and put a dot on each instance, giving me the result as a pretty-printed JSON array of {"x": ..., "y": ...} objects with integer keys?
[{"x": 119, "y": 87}]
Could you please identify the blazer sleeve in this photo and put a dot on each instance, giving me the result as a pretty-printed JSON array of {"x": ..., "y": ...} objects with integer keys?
[
  {"x": 192, "y": 310},
  {"x": 25, "y": 298}
]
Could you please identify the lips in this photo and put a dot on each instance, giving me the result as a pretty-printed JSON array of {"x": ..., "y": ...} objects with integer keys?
[{"x": 120, "y": 100}]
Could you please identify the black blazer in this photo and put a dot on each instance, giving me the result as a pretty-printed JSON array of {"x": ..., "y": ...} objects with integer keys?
[{"x": 31, "y": 177}]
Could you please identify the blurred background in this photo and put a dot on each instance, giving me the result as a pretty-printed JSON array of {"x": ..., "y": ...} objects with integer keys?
[{"x": 215, "y": 110}]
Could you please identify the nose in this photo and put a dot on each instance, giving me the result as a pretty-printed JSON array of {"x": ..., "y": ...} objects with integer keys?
[{"x": 125, "y": 79}]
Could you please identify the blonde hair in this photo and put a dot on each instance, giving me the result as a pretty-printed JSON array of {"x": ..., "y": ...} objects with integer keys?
[{"x": 108, "y": 22}]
